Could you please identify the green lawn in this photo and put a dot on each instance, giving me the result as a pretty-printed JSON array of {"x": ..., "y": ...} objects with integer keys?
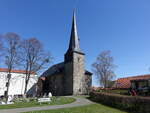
[
  {"x": 55, "y": 101},
  {"x": 93, "y": 108}
]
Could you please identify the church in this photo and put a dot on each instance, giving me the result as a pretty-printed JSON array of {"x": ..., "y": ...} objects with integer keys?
[{"x": 68, "y": 77}]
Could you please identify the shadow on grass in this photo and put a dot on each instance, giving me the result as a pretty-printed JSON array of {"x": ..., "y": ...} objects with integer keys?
[{"x": 55, "y": 101}]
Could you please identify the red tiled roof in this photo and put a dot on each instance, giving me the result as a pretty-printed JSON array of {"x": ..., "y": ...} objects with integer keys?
[
  {"x": 14, "y": 71},
  {"x": 124, "y": 83}
]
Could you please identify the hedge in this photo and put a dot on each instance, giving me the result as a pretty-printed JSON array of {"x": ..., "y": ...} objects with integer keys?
[
  {"x": 115, "y": 91},
  {"x": 133, "y": 104}
]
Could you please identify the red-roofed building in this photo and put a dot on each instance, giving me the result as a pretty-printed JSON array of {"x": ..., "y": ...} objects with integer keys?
[
  {"x": 17, "y": 82},
  {"x": 125, "y": 83},
  {"x": 14, "y": 71}
]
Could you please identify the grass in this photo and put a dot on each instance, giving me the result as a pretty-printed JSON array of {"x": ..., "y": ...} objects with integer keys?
[
  {"x": 92, "y": 108},
  {"x": 55, "y": 101}
]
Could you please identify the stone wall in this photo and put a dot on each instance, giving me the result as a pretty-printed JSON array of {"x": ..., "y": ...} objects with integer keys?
[
  {"x": 68, "y": 78},
  {"x": 56, "y": 84},
  {"x": 78, "y": 73},
  {"x": 87, "y": 83}
]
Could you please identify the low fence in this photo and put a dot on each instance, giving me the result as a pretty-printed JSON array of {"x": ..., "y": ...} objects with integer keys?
[{"x": 133, "y": 104}]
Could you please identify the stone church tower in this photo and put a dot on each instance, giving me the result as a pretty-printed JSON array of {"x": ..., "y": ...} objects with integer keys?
[
  {"x": 70, "y": 76},
  {"x": 74, "y": 64}
]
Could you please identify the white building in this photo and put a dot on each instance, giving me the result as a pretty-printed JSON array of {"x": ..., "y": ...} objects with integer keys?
[{"x": 17, "y": 82}]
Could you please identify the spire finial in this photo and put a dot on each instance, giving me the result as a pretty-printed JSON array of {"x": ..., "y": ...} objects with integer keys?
[{"x": 74, "y": 41}]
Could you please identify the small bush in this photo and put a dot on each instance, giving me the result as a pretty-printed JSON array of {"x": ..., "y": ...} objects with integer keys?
[
  {"x": 130, "y": 103},
  {"x": 17, "y": 100},
  {"x": 32, "y": 99}
]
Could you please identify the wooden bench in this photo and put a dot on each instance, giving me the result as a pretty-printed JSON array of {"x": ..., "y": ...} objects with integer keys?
[{"x": 42, "y": 100}]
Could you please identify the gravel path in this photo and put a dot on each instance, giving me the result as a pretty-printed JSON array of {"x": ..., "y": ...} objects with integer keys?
[{"x": 78, "y": 102}]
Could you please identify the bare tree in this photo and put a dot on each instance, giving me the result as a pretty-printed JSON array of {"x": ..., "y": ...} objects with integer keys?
[
  {"x": 34, "y": 58},
  {"x": 11, "y": 47},
  {"x": 104, "y": 68},
  {"x": 1, "y": 45},
  {"x": 0, "y": 42}
]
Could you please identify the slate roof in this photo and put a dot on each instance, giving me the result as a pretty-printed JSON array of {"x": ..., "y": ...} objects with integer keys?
[
  {"x": 124, "y": 83},
  {"x": 74, "y": 40},
  {"x": 58, "y": 68}
]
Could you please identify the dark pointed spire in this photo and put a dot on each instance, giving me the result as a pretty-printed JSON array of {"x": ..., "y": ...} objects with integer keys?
[{"x": 74, "y": 40}]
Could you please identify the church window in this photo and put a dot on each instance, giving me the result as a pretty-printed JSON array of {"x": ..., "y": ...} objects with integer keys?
[
  {"x": 79, "y": 90},
  {"x": 78, "y": 59}
]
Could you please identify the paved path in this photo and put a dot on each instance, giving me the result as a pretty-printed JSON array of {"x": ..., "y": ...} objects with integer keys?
[{"x": 78, "y": 102}]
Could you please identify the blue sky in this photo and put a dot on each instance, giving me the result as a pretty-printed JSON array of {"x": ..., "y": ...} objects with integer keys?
[{"x": 122, "y": 26}]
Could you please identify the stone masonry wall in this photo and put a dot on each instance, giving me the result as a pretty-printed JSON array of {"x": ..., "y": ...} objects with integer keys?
[
  {"x": 68, "y": 78},
  {"x": 78, "y": 73}
]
